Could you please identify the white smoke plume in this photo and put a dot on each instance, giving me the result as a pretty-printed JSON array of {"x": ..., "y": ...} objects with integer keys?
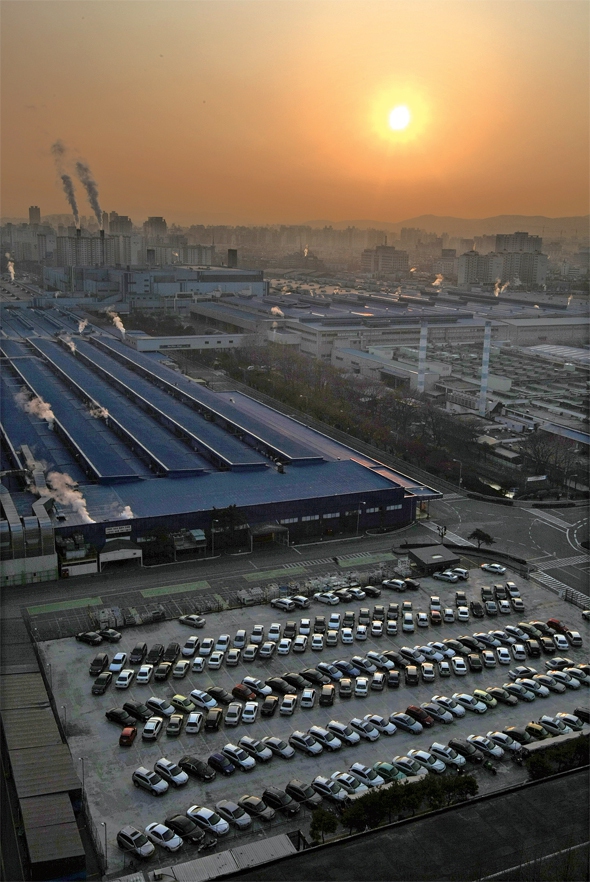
[
  {"x": 569, "y": 300},
  {"x": 10, "y": 265},
  {"x": 81, "y": 325},
  {"x": 35, "y": 405},
  {"x": 116, "y": 320},
  {"x": 504, "y": 286},
  {"x": 98, "y": 412},
  {"x": 306, "y": 251},
  {"x": 63, "y": 490},
  {"x": 276, "y": 311},
  {"x": 126, "y": 514},
  {"x": 58, "y": 150},
  {"x": 438, "y": 281},
  {"x": 69, "y": 343},
  {"x": 414, "y": 268},
  {"x": 85, "y": 175},
  {"x": 497, "y": 288}
]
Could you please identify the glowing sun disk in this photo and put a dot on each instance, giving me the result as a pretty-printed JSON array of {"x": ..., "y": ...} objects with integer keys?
[{"x": 399, "y": 118}]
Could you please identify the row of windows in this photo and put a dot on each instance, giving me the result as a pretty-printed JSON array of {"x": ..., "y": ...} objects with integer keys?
[{"x": 337, "y": 514}]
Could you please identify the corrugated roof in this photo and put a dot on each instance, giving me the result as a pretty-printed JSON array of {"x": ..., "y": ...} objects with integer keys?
[
  {"x": 30, "y": 727},
  {"x": 233, "y": 860},
  {"x": 255, "y": 853},
  {"x": 38, "y": 772},
  {"x": 22, "y": 690},
  {"x": 51, "y": 844},
  {"x": 46, "y": 811}
]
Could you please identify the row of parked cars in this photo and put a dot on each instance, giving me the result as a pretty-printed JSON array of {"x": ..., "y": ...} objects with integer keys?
[{"x": 202, "y": 826}]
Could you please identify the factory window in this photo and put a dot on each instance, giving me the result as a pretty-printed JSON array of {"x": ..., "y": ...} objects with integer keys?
[
  {"x": 350, "y": 513},
  {"x": 392, "y": 507},
  {"x": 371, "y": 510},
  {"x": 310, "y": 518},
  {"x": 289, "y": 520},
  {"x": 333, "y": 514}
]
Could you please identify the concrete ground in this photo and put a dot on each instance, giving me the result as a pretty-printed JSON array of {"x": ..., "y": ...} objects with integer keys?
[{"x": 107, "y": 768}]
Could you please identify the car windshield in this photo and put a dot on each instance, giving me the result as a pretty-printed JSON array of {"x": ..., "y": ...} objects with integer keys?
[
  {"x": 168, "y": 834},
  {"x": 174, "y": 770},
  {"x": 241, "y": 754},
  {"x": 214, "y": 818}
]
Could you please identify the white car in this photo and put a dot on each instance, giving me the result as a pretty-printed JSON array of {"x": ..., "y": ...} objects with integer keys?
[
  {"x": 493, "y": 568},
  {"x": 382, "y": 724},
  {"x": 376, "y": 628},
  {"x": 300, "y": 643},
  {"x": 366, "y": 775},
  {"x": 334, "y": 622},
  {"x": 504, "y": 741},
  {"x": 181, "y": 669},
  {"x": 170, "y": 772},
  {"x": 207, "y": 646},
  {"x": 233, "y": 657},
  {"x": 364, "y": 728},
  {"x": 284, "y": 646},
  {"x": 194, "y": 723},
  {"x": 462, "y": 614},
  {"x": 344, "y": 732},
  {"x": 391, "y": 628},
  {"x": 125, "y": 679},
  {"x": 198, "y": 665},
  {"x": 504, "y": 607},
  {"x": 308, "y": 697},
  {"x": 327, "y": 597},
  {"x": 163, "y": 836},
  {"x": 447, "y": 755},
  {"x": 257, "y": 686},
  {"x": 408, "y": 623},
  {"x": 118, "y": 662},
  {"x": 422, "y": 620},
  {"x": 503, "y": 654},
  {"x": 284, "y": 603},
  {"x": 361, "y": 687},
  {"x": 446, "y": 576},
  {"x": 305, "y": 627},
  {"x": 288, "y": 705},
  {"x": 208, "y": 820},
  {"x": 233, "y": 715},
  {"x": 317, "y": 642},
  {"x": 448, "y": 615},
  {"x": 427, "y": 760},
  {"x": 488, "y": 658},
  {"x": 223, "y": 643},
  {"x": 346, "y": 636},
  {"x": 357, "y": 593},
  {"x": 215, "y": 660},
  {"x": 469, "y": 702},
  {"x": 202, "y": 699},
  {"x": 257, "y": 635},
  {"x": 274, "y": 632},
  {"x": 519, "y": 652},
  {"x": 449, "y": 704},
  {"x": 300, "y": 601},
  {"x": 190, "y": 647},
  {"x": 250, "y": 712},
  {"x": 361, "y": 632},
  {"x": 486, "y": 745},
  {"x": 144, "y": 675},
  {"x": 459, "y": 666},
  {"x": 349, "y": 783},
  {"x": 561, "y": 642},
  {"x": 327, "y": 739}
]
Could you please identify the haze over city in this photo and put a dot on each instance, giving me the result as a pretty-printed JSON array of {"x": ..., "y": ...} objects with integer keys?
[{"x": 266, "y": 112}]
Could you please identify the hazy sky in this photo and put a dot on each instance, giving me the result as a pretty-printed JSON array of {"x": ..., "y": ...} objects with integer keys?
[{"x": 264, "y": 111}]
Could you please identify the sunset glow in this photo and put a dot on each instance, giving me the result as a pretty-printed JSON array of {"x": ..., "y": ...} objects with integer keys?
[{"x": 399, "y": 118}]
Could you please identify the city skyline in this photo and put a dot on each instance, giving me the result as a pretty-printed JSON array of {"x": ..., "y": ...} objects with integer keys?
[{"x": 260, "y": 113}]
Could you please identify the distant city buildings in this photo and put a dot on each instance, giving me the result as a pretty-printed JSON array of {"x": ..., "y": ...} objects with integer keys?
[
  {"x": 384, "y": 260},
  {"x": 34, "y": 215},
  {"x": 517, "y": 258}
]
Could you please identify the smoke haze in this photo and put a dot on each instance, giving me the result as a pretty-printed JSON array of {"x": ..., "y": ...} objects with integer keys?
[
  {"x": 85, "y": 175},
  {"x": 35, "y": 405},
  {"x": 63, "y": 490}
]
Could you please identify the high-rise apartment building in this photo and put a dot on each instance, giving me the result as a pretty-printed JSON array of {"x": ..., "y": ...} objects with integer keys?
[
  {"x": 385, "y": 260},
  {"x": 34, "y": 215},
  {"x": 155, "y": 227},
  {"x": 516, "y": 242}
]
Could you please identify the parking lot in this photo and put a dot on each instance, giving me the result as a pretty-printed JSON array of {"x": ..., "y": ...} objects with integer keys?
[{"x": 106, "y": 768}]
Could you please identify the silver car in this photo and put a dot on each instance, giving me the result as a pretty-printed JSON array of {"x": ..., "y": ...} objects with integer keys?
[{"x": 234, "y": 814}]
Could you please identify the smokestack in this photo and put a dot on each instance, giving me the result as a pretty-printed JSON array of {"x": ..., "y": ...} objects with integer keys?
[
  {"x": 78, "y": 233},
  {"x": 485, "y": 367},
  {"x": 102, "y": 249}
]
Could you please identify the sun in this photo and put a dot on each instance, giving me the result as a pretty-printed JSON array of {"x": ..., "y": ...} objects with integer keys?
[{"x": 399, "y": 118}]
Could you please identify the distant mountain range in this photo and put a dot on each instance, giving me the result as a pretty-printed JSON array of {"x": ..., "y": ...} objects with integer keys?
[{"x": 461, "y": 226}]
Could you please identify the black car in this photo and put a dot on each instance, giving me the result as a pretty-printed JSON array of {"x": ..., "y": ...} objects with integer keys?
[
  {"x": 172, "y": 652},
  {"x": 518, "y": 733},
  {"x": 312, "y": 675},
  {"x": 583, "y": 713},
  {"x": 214, "y": 719},
  {"x": 533, "y": 647},
  {"x": 138, "y": 653},
  {"x": 474, "y": 661},
  {"x": 456, "y": 645},
  {"x": 155, "y": 654},
  {"x": 120, "y": 717},
  {"x": 294, "y": 680},
  {"x": 393, "y": 679},
  {"x": 319, "y": 625},
  {"x": 98, "y": 664},
  {"x": 290, "y": 629},
  {"x": 393, "y": 612},
  {"x": 304, "y": 793},
  {"x": 197, "y": 768},
  {"x": 90, "y": 637},
  {"x": 372, "y": 591},
  {"x": 221, "y": 696},
  {"x": 472, "y": 644},
  {"x": 547, "y": 645},
  {"x": 280, "y": 801},
  {"x": 502, "y": 696},
  {"x": 277, "y": 684},
  {"x": 110, "y": 635},
  {"x": 221, "y": 764},
  {"x": 138, "y": 710},
  {"x": 476, "y": 609},
  {"x": 412, "y": 584},
  {"x": 256, "y": 807},
  {"x": 102, "y": 683},
  {"x": 185, "y": 828},
  {"x": 466, "y": 749},
  {"x": 344, "y": 595},
  {"x": 163, "y": 671},
  {"x": 399, "y": 661},
  {"x": 269, "y": 706}
]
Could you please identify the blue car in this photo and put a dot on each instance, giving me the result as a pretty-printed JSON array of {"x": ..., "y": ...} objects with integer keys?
[
  {"x": 347, "y": 668},
  {"x": 221, "y": 764}
]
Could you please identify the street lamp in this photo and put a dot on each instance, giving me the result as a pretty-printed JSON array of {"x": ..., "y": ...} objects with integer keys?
[
  {"x": 82, "y": 758},
  {"x": 65, "y": 710},
  {"x": 106, "y": 854},
  {"x": 460, "y": 471},
  {"x": 358, "y": 516}
]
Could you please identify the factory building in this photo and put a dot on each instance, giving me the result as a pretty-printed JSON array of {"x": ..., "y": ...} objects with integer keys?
[{"x": 111, "y": 449}]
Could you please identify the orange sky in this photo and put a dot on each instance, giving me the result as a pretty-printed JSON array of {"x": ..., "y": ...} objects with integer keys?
[{"x": 265, "y": 111}]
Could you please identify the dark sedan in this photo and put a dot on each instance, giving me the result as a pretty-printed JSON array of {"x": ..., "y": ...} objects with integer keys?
[
  {"x": 120, "y": 717},
  {"x": 269, "y": 706},
  {"x": 221, "y": 764},
  {"x": 89, "y": 637},
  {"x": 312, "y": 675},
  {"x": 221, "y": 696},
  {"x": 278, "y": 685},
  {"x": 466, "y": 749},
  {"x": 477, "y": 610},
  {"x": 303, "y": 793},
  {"x": 294, "y": 680},
  {"x": 102, "y": 683},
  {"x": 243, "y": 692},
  {"x": 186, "y": 829},
  {"x": 192, "y": 765},
  {"x": 502, "y": 696},
  {"x": 256, "y": 807},
  {"x": 420, "y": 715},
  {"x": 280, "y": 801}
]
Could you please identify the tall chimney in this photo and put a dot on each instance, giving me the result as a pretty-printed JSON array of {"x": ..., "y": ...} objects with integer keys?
[{"x": 78, "y": 233}]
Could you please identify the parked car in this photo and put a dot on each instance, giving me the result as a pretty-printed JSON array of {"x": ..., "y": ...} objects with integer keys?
[
  {"x": 133, "y": 841},
  {"x": 303, "y": 793},
  {"x": 150, "y": 781},
  {"x": 196, "y": 767},
  {"x": 102, "y": 682},
  {"x": 208, "y": 820},
  {"x": 280, "y": 801},
  {"x": 193, "y": 621},
  {"x": 278, "y": 747}
]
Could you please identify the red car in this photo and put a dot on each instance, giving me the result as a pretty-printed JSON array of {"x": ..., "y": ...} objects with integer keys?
[
  {"x": 243, "y": 692},
  {"x": 127, "y": 736},
  {"x": 435, "y": 617},
  {"x": 419, "y": 714},
  {"x": 557, "y": 626}
]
